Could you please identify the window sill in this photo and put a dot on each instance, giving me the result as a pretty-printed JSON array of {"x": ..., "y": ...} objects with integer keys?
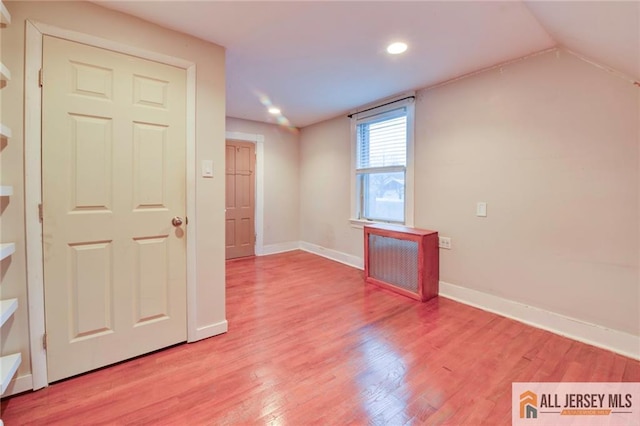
[{"x": 360, "y": 223}]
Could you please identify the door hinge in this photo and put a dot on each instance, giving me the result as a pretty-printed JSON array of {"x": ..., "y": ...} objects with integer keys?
[
  {"x": 44, "y": 341},
  {"x": 40, "y": 212},
  {"x": 40, "y": 77}
]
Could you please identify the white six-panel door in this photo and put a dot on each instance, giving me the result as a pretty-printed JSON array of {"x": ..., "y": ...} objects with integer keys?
[{"x": 113, "y": 169}]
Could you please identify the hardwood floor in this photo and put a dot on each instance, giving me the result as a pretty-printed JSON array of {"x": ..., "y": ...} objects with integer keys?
[{"x": 309, "y": 343}]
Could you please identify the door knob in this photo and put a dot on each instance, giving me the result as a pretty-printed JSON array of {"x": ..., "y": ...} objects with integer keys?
[{"x": 176, "y": 221}]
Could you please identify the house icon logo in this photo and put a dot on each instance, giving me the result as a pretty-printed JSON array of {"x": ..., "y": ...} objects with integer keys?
[{"x": 528, "y": 405}]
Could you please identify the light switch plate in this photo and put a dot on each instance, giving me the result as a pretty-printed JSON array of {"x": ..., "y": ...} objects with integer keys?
[
  {"x": 481, "y": 209},
  {"x": 207, "y": 168}
]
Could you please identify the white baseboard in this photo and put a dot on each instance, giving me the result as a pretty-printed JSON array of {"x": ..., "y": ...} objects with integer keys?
[
  {"x": 211, "y": 330},
  {"x": 277, "y": 248},
  {"x": 617, "y": 341},
  {"x": 592, "y": 334},
  {"x": 338, "y": 256},
  {"x": 18, "y": 385}
]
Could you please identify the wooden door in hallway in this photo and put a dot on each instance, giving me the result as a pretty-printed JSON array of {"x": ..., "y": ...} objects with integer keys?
[
  {"x": 240, "y": 199},
  {"x": 113, "y": 167}
]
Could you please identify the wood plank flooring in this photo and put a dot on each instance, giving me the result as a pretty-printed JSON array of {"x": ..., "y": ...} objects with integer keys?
[{"x": 309, "y": 343}]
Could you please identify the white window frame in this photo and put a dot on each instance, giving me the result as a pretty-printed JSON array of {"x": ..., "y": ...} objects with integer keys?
[{"x": 407, "y": 101}]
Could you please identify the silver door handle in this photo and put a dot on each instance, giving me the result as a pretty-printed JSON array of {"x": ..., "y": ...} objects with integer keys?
[{"x": 176, "y": 221}]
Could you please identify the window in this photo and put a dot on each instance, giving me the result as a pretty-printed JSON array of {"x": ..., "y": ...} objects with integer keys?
[{"x": 382, "y": 160}]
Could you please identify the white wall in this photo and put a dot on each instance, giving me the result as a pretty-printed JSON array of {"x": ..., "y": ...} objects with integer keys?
[
  {"x": 91, "y": 19},
  {"x": 281, "y": 178},
  {"x": 551, "y": 144},
  {"x": 325, "y": 187}
]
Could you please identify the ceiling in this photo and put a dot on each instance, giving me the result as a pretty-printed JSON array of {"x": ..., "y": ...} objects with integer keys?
[{"x": 318, "y": 59}]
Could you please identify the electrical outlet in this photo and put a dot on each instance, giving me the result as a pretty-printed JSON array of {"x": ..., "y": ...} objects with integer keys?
[{"x": 444, "y": 243}]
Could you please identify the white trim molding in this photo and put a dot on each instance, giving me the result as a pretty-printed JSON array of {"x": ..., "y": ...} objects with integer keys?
[
  {"x": 33, "y": 183},
  {"x": 360, "y": 223},
  {"x": 279, "y": 248},
  {"x": 259, "y": 219},
  {"x": 335, "y": 255},
  {"x": 592, "y": 334},
  {"x": 338, "y": 256},
  {"x": 18, "y": 385},
  {"x": 191, "y": 182},
  {"x": 211, "y": 330},
  {"x": 33, "y": 197},
  {"x": 613, "y": 340}
]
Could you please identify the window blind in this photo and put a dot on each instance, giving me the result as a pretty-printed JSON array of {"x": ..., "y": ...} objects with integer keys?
[{"x": 382, "y": 140}]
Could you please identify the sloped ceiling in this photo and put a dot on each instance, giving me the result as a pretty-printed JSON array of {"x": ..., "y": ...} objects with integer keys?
[
  {"x": 318, "y": 59},
  {"x": 607, "y": 32}
]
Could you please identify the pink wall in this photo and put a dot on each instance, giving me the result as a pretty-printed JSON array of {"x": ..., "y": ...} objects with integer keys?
[{"x": 551, "y": 144}]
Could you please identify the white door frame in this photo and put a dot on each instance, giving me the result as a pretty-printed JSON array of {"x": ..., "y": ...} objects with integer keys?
[
  {"x": 258, "y": 140},
  {"x": 33, "y": 179}
]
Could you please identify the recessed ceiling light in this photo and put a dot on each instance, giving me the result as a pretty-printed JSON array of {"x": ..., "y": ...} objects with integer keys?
[
  {"x": 397, "y": 48},
  {"x": 274, "y": 110}
]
